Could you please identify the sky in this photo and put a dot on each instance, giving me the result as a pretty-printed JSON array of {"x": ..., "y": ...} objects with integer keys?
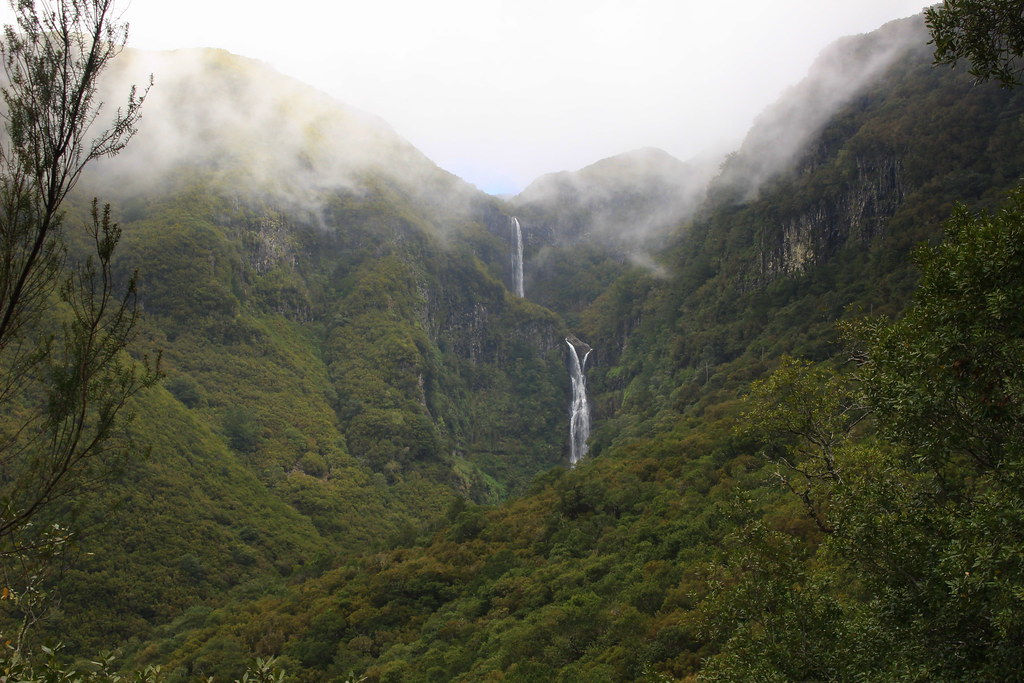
[{"x": 500, "y": 92}]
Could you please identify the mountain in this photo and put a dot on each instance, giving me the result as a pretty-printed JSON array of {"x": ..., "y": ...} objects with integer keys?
[
  {"x": 767, "y": 268},
  {"x": 357, "y": 460},
  {"x": 271, "y": 201},
  {"x": 583, "y": 229},
  {"x": 622, "y": 201},
  {"x": 838, "y": 78},
  {"x": 342, "y": 354},
  {"x": 261, "y": 132}
]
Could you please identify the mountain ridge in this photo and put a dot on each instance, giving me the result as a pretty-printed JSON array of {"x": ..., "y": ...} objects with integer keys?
[{"x": 368, "y": 377}]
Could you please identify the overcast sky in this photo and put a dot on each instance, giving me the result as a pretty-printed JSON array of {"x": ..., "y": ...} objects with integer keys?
[{"x": 500, "y": 92}]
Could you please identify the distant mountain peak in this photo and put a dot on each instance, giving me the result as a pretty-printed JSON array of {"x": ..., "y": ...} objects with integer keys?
[
  {"x": 261, "y": 132},
  {"x": 617, "y": 200}
]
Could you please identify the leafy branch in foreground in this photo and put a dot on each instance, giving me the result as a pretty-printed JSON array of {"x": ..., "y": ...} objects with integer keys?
[
  {"x": 48, "y": 666},
  {"x": 987, "y": 33},
  {"x": 921, "y": 577},
  {"x": 84, "y": 381},
  {"x": 801, "y": 416},
  {"x": 65, "y": 323}
]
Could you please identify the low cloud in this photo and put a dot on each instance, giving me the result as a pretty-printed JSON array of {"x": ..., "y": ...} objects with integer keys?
[
  {"x": 256, "y": 132},
  {"x": 782, "y": 132}
]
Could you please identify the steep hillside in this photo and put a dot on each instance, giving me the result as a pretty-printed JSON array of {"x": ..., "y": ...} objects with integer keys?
[
  {"x": 342, "y": 356},
  {"x": 262, "y": 199},
  {"x": 658, "y": 553},
  {"x": 767, "y": 269},
  {"x": 585, "y": 228}
]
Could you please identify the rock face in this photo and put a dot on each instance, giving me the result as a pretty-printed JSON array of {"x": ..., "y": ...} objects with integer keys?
[
  {"x": 798, "y": 240},
  {"x": 789, "y": 133},
  {"x": 271, "y": 245},
  {"x": 826, "y": 167},
  {"x": 855, "y": 214},
  {"x": 485, "y": 330},
  {"x": 816, "y": 173}
]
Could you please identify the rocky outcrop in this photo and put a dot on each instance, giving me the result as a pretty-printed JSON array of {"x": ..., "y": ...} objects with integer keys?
[
  {"x": 490, "y": 330},
  {"x": 855, "y": 214},
  {"x": 270, "y": 243}
]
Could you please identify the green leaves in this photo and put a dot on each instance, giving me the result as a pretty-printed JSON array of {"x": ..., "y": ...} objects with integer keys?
[
  {"x": 948, "y": 378},
  {"x": 800, "y": 417},
  {"x": 987, "y": 33},
  {"x": 925, "y": 505}
]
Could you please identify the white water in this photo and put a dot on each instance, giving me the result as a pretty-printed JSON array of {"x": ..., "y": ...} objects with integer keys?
[
  {"x": 579, "y": 411},
  {"x": 517, "y": 258}
]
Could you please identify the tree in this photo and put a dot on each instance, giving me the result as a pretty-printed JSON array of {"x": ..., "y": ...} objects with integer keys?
[
  {"x": 987, "y": 33},
  {"x": 800, "y": 417},
  {"x": 920, "y": 577},
  {"x": 65, "y": 377},
  {"x": 935, "y": 524}
]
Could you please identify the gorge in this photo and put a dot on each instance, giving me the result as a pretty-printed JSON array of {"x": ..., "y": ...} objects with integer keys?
[{"x": 356, "y": 467}]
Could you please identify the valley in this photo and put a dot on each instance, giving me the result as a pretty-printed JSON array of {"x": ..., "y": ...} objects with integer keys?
[{"x": 740, "y": 418}]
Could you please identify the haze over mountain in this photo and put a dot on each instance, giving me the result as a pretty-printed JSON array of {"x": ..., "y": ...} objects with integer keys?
[
  {"x": 622, "y": 201},
  {"x": 613, "y": 570},
  {"x": 379, "y": 379},
  {"x": 263, "y": 133},
  {"x": 500, "y": 93}
]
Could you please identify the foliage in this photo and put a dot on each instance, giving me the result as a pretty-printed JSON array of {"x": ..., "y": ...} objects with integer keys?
[
  {"x": 674, "y": 552},
  {"x": 920, "y": 564},
  {"x": 83, "y": 383},
  {"x": 948, "y": 376},
  {"x": 64, "y": 328},
  {"x": 382, "y": 370},
  {"x": 803, "y": 414},
  {"x": 945, "y": 382},
  {"x": 72, "y": 384},
  {"x": 288, "y": 437},
  {"x": 242, "y": 431},
  {"x": 987, "y": 33},
  {"x": 49, "y": 665}
]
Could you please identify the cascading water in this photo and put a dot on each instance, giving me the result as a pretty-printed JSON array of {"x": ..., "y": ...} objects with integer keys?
[
  {"x": 517, "y": 257},
  {"x": 579, "y": 412}
]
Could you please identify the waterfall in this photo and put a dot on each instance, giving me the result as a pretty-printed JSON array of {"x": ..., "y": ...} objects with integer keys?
[
  {"x": 579, "y": 411},
  {"x": 517, "y": 258}
]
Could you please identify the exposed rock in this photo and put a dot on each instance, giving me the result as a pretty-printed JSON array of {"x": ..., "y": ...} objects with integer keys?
[
  {"x": 855, "y": 215},
  {"x": 271, "y": 243}
]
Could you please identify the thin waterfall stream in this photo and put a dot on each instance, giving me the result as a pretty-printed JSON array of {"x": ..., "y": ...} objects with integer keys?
[
  {"x": 517, "y": 258},
  {"x": 579, "y": 410}
]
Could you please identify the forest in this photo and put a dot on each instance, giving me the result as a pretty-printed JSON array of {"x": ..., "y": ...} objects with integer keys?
[{"x": 278, "y": 412}]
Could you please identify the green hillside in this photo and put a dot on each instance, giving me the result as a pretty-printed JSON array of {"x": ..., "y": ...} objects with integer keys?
[
  {"x": 334, "y": 378},
  {"x": 806, "y": 462}
]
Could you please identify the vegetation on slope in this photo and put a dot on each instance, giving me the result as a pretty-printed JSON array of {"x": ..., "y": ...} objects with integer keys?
[
  {"x": 827, "y": 526},
  {"x": 746, "y": 515},
  {"x": 890, "y": 549}
]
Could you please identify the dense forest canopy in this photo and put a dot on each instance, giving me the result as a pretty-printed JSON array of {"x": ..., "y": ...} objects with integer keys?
[{"x": 804, "y": 364}]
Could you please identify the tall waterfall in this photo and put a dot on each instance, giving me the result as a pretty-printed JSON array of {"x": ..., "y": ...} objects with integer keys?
[
  {"x": 579, "y": 415},
  {"x": 517, "y": 257}
]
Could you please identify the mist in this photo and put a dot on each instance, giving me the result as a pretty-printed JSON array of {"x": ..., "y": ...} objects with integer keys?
[
  {"x": 624, "y": 203},
  {"x": 631, "y": 203},
  {"x": 265, "y": 136},
  {"x": 256, "y": 133},
  {"x": 780, "y": 134},
  {"x": 500, "y": 93}
]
